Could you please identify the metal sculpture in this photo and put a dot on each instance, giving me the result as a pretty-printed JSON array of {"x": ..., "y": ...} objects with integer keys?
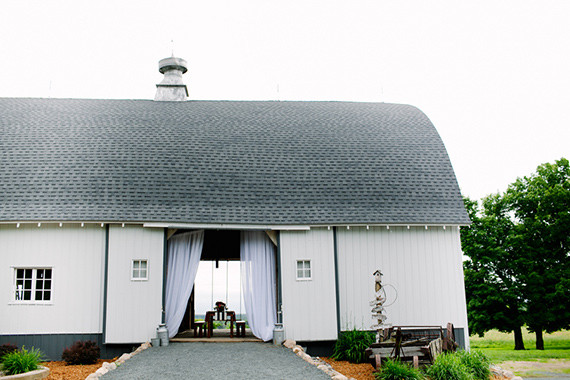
[{"x": 378, "y": 305}]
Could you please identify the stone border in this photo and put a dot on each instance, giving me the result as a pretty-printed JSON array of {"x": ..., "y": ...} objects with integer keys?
[
  {"x": 318, "y": 362},
  {"x": 40, "y": 373},
  {"x": 106, "y": 367}
]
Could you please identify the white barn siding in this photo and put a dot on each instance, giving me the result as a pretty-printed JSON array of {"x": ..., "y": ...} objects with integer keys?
[
  {"x": 77, "y": 257},
  {"x": 133, "y": 307},
  {"x": 425, "y": 267},
  {"x": 309, "y": 307}
]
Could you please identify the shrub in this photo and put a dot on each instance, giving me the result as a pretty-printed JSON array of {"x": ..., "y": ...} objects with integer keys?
[
  {"x": 21, "y": 361},
  {"x": 396, "y": 370},
  {"x": 477, "y": 363},
  {"x": 351, "y": 345},
  {"x": 81, "y": 353},
  {"x": 448, "y": 366},
  {"x": 7, "y": 348}
]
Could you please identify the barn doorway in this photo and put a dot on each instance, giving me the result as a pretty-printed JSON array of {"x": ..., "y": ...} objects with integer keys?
[{"x": 223, "y": 275}]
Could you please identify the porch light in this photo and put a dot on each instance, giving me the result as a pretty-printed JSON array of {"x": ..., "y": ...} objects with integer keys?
[
  {"x": 82, "y": 224},
  {"x": 61, "y": 224},
  {"x": 39, "y": 224},
  {"x": 17, "y": 225}
]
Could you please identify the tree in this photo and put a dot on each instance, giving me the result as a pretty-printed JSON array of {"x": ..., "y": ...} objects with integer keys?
[
  {"x": 494, "y": 297},
  {"x": 519, "y": 257},
  {"x": 541, "y": 207}
]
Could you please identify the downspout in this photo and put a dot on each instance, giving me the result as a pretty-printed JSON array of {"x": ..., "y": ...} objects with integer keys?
[
  {"x": 279, "y": 280},
  {"x": 336, "y": 281},
  {"x": 164, "y": 271},
  {"x": 106, "y": 277}
]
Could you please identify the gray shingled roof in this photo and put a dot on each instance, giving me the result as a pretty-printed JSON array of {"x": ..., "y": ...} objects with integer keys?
[{"x": 244, "y": 162}]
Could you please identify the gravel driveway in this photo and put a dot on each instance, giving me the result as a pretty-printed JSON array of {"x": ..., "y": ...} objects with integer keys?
[{"x": 216, "y": 361}]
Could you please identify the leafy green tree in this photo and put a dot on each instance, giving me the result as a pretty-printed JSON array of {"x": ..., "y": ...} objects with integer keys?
[
  {"x": 519, "y": 256},
  {"x": 541, "y": 207},
  {"x": 494, "y": 297}
]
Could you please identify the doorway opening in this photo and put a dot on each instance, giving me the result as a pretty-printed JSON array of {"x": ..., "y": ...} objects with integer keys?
[{"x": 219, "y": 280}]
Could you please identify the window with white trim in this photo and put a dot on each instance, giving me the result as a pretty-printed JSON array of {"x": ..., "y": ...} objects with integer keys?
[
  {"x": 303, "y": 269},
  {"x": 139, "y": 270},
  {"x": 32, "y": 285}
]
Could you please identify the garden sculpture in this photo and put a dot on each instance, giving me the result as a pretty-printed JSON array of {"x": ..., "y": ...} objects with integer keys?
[{"x": 378, "y": 304}]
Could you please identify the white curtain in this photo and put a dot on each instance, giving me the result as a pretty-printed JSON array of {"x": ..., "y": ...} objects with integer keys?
[
  {"x": 184, "y": 252},
  {"x": 258, "y": 282}
]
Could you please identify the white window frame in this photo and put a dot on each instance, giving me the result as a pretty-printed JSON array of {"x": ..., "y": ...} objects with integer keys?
[
  {"x": 32, "y": 301},
  {"x": 133, "y": 278},
  {"x": 310, "y": 278}
]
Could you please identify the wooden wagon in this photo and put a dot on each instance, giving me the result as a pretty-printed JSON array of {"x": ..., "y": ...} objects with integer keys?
[{"x": 417, "y": 344}]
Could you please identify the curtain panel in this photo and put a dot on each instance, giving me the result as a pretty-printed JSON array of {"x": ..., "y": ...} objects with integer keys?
[
  {"x": 184, "y": 252},
  {"x": 259, "y": 285}
]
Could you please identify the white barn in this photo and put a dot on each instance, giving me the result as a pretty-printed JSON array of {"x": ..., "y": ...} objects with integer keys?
[{"x": 93, "y": 192}]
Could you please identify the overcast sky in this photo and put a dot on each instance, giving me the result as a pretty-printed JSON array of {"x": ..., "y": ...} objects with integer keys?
[{"x": 493, "y": 76}]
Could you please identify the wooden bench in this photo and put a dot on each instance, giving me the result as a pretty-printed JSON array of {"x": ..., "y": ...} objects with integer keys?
[
  {"x": 199, "y": 329},
  {"x": 240, "y": 329}
]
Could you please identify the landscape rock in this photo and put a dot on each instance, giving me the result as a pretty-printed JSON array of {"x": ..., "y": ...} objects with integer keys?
[
  {"x": 508, "y": 374},
  {"x": 123, "y": 358},
  {"x": 93, "y": 376},
  {"x": 322, "y": 367},
  {"x": 109, "y": 366},
  {"x": 297, "y": 349},
  {"x": 339, "y": 377},
  {"x": 101, "y": 371},
  {"x": 289, "y": 343},
  {"x": 145, "y": 345}
]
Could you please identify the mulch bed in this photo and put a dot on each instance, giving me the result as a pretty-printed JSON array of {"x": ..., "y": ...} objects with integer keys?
[
  {"x": 62, "y": 371},
  {"x": 363, "y": 371}
]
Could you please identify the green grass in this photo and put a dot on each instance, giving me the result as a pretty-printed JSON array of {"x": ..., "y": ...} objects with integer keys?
[{"x": 499, "y": 347}]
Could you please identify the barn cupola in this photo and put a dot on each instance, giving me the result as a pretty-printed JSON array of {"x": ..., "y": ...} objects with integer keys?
[{"x": 172, "y": 87}]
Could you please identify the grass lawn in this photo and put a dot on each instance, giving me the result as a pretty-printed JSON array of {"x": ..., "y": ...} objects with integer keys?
[{"x": 499, "y": 346}]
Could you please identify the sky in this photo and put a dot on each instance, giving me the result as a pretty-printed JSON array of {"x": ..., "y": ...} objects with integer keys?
[{"x": 493, "y": 76}]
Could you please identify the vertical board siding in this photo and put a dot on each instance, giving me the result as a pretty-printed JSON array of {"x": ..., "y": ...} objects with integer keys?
[
  {"x": 77, "y": 256},
  {"x": 309, "y": 307},
  {"x": 424, "y": 266},
  {"x": 133, "y": 307}
]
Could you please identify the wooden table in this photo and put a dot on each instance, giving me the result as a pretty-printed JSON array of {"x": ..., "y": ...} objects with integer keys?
[{"x": 225, "y": 316}]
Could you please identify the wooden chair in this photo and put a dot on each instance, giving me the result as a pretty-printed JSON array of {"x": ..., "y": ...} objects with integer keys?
[
  {"x": 209, "y": 323},
  {"x": 240, "y": 329},
  {"x": 199, "y": 329}
]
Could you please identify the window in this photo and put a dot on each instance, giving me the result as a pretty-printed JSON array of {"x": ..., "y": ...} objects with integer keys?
[
  {"x": 139, "y": 270},
  {"x": 32, "y": 285},
  {"x": 303, "y": 269}
]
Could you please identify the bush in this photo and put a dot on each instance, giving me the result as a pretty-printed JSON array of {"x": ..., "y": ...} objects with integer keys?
[
  {"x": 477, "y": 363},
  {"x": 21, "y": 361},
  {"x": 396, "y": 370},
  {"x": 351, "y": 345},
  {"x": 81, "y": 353},
  {"x": 7, "y": 348},
  {"x": 448, "y": 366}
]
